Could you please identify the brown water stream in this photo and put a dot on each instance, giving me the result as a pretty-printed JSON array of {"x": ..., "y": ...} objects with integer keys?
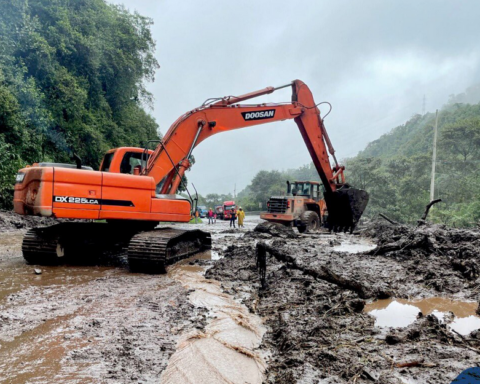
[{"x": 36, "y": 351}]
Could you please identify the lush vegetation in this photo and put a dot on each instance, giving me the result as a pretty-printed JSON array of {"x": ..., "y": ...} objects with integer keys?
[
  {"x": 396, "y": 168},
  {"x": 72, "y": 79}
]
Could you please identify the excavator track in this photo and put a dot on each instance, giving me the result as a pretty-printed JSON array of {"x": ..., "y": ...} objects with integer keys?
[
  {"x": 80, "y": 242},
  {"x": 152, "y": 251},
  {"x": 41, "y": 247}
]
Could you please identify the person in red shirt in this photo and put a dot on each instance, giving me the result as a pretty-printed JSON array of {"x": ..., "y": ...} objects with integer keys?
[{"x": 210, "y": 216}]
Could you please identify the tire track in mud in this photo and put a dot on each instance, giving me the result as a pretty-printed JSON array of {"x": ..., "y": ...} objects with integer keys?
[{"x": 227, "y": 350}]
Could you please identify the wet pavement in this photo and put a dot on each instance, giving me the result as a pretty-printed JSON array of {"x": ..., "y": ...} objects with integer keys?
[{"x": 226, "y": 350}]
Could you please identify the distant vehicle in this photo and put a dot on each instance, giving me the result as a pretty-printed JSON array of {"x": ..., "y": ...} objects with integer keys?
[
  {"x": 228, "y": 208},
  {"x": 303, "y": 207},
  {"x": 219, "y": 211},
  {"x": 202, "y": 211}
]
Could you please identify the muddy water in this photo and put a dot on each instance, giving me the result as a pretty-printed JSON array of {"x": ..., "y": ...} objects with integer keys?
[
  {"x": 226, "y": 351},
  {"x": 35, "y": 350},
  {"x": 352, "y": 244},
  {"x": 399, "y": 313},
  {"x": 16, "y": 275}
]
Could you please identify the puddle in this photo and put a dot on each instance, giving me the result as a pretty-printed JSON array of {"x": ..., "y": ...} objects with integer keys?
[
  {"x": 399, "y": 313},
  {"x": 17, "y": 275},
  {"x": 226, "y": 351},
  {"x": 354, "y": 245},
  {"x": 38, "y": 355}
]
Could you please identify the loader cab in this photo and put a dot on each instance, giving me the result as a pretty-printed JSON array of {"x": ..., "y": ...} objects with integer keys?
[
  {"x": 124, "y": 160},
  {"x": 308, "y": 189}
]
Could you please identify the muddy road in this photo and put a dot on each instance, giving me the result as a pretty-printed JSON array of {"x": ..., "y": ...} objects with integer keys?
[
  {"x": 389, "y": 305},
  {"x": 99, "y": 323}
]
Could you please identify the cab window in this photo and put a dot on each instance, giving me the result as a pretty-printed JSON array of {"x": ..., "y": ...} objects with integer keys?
[
  {"x": 107, "y": 161},
  {"x": 131, "y": 160}
]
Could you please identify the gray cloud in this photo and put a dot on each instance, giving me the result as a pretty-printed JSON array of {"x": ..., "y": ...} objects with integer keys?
[{"x": 373, "y": 60}]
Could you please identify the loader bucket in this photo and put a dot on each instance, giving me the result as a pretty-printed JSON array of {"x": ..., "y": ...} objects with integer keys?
[{"x": 345, "y": 207}]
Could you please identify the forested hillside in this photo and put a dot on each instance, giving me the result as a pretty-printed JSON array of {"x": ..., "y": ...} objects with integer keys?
[
  {"x": 72, "y": 79},
  {"x": 396, "y": 168}
]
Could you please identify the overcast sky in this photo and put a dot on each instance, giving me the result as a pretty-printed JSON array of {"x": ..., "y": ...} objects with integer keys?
[{"x": 372, "y": 59}]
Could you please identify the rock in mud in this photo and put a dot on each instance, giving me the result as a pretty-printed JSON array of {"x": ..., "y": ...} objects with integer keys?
[{"x": 276, "y": 230}]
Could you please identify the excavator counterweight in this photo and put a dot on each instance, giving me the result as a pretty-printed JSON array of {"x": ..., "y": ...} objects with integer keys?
[{"x": 136, "y": 188}]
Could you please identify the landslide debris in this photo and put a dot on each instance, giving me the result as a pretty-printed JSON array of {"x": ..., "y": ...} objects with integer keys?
[
  {"x": 314, "y": 297},
  {"x": 9, "y": 221}
]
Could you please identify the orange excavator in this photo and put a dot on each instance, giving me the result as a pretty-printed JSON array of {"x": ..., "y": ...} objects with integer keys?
[{"x": 136, "y": 188}]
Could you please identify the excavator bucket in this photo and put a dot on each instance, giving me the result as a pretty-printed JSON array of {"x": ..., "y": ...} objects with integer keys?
[{"x": 345, "y": 207}]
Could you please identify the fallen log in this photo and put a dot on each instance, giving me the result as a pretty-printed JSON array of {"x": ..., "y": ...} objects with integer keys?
[
  {"x": 419, "y": 363},
  {"x": 323, "y": 273}
]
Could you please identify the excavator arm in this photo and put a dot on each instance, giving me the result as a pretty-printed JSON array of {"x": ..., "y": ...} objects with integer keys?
[
  {"x": 225, "y": 115},
  {"x": 170, "y": 160}
]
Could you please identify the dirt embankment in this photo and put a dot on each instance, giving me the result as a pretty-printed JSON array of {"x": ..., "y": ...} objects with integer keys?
[
  {"x": 10, "y": 221},
  {"x": 313, "y": 305}
]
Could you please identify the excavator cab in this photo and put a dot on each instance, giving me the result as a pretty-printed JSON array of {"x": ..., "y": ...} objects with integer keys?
[{"x": 125, "y": 160}]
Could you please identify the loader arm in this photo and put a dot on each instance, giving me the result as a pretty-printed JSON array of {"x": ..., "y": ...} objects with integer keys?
[{"x": 225, "y": 115}]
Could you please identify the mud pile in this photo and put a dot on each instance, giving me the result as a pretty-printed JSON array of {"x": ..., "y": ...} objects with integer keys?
[
  {"x": 445, "y": 259},
  {"x": 314, "y": 300},
  {"x": 268, "y": 230},
  {"x": 11, "y": 221}
]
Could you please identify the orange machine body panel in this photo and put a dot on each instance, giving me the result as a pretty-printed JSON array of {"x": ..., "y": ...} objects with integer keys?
[
  {"x": 84, "y": 194},
  {"x": 33, "y": 196}
]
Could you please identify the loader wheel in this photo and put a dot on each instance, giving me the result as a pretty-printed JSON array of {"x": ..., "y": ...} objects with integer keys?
[{"x": 310, "y": 222}]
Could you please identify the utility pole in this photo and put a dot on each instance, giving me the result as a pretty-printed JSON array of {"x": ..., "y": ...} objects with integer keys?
[
  {"x": 434, "y": 158},
  {"x": 424, "y": 102}
]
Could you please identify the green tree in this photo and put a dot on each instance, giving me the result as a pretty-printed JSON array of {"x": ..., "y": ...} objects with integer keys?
[{"x": 73, "y": 78}]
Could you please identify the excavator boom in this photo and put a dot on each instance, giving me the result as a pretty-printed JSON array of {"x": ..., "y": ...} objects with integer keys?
[{"x": 345, "y": 204}]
